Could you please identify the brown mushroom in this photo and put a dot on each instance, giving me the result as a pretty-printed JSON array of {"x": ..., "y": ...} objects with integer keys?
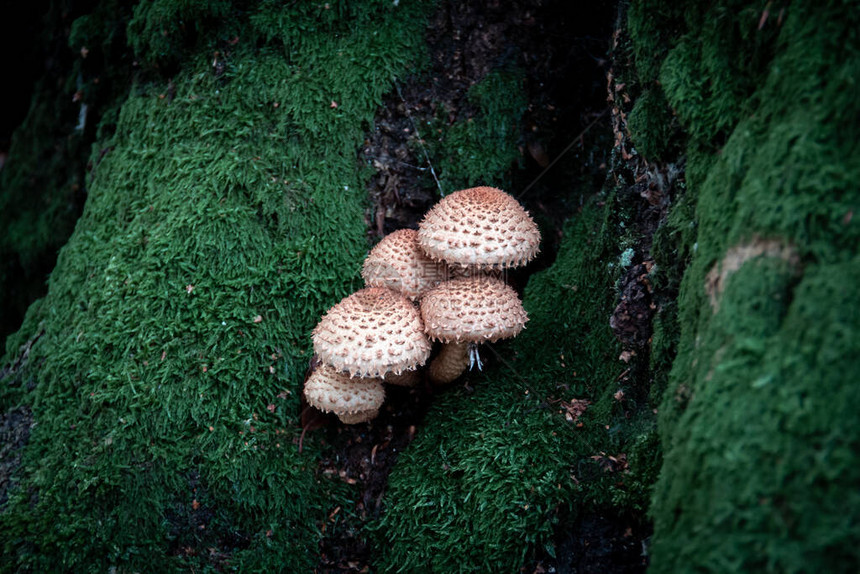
[
  {"x": 469, "y": 311},
  {"x": 370, "y": 333},
  {"x": 482, "y": 227},
  {"x": 397, "y": 262},
  {"x": 353, "y": 400}
]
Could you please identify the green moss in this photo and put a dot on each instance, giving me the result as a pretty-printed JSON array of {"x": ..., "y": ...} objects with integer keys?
[
  {"x": 672, "y": 249},
  {"x": 707, "y": 59},
  {"x": 653, "y": 129},
  {"x": 708, "y": 78},
  {"x": 763, "y": 452},
  {"x": 224, "y": 217},
  {"x": 161, "y": 31},
  {"x": 482, "y": 148},
  {"x": 758, "y": 416},
  {"x": 664, "y": 346},
  {"x": 482, "y": 485},
  {"x": 654, "y": 27}
]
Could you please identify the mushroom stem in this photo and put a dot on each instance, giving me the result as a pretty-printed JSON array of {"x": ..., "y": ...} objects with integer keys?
[
  {"x": 404, "y": 379},
  {"x": 475, "y": 357},
  {"x": 450, "y": 363}
]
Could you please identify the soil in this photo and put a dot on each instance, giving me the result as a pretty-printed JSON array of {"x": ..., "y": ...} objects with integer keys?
[
  {"x": 197, "y": 528},
  {"x": 598, "y": 544}
]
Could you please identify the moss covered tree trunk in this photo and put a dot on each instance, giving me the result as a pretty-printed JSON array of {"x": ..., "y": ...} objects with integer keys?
[{"x": 759, "y": 422}]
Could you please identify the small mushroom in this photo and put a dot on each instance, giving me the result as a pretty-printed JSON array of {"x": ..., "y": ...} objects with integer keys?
[
  {"x": 353, "y": 400},
  {"x": 397, "y": 262},
  {"x": 370, "y": 333},
  {"x": 469, "y": 311},
  {"x": 482, "y": 227}
]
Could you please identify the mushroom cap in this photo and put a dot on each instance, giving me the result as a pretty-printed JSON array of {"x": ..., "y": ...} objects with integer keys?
[
  {"x": 351, "y": 399},
  {"x": 481, "y": 226},
  {"x": 397, "y": 262},
  {"x": 461, "y": 271},
  {"x": 372, "y": 332},
  {"x": 474, "y": 309}
]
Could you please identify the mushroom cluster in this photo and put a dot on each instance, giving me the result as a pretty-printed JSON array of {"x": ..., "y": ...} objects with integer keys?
[{"x": 437, "y": 283}]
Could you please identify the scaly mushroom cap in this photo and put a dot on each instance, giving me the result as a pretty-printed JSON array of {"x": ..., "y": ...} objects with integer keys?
[
  {"x": 481, "y": 226},
  {"x": 372, "y": 332},
  {"x": 474, "y": 309},
  {"x": 397, "y": 262},
  {"x": 352, "y": 400}
]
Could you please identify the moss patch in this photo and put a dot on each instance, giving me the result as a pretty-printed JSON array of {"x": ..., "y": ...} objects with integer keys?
[
  {"x": 481, "y": 148},
  {"x": 225, "y": 216},
  {"x": 481, "y": 488}
]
